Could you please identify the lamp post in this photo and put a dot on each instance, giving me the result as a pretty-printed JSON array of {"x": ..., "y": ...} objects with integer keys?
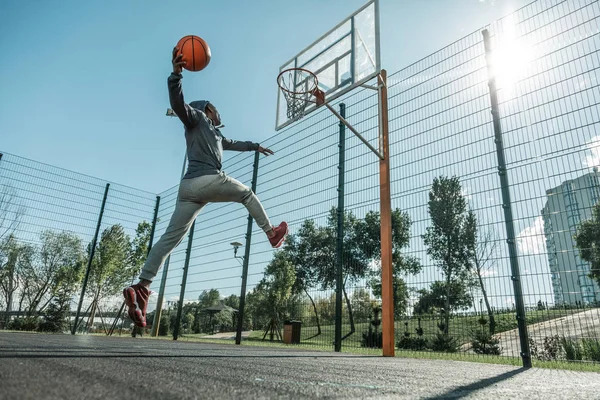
[{"x": 236, "y": 246}]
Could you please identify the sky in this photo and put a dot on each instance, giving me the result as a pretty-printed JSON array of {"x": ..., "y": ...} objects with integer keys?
[{"x": 84, "y": 83}]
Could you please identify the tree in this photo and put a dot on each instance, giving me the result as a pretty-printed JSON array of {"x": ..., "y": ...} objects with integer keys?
[
  {"x": 55, "y": 271},
  {"x": 483, "y": 252},
  {"x": 271, "y": 298},
  {"x": 435, "y": 299},
  {"x": 139, "y": 246},
  {"x": 14, "y": 258},
  {"x": 402, "y": 264},
  {"x": 302, "y": 251},
  {"x": 451, "y": 236},
  {"x": 203, "y": 320},
  {"x": 362, "y": 304},
  {"x": 111, "y": 268},
  {"x": 587, "y": 240}
]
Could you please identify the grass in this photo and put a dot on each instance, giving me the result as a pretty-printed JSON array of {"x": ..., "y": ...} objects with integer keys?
[{"x": 423, "y": 355}]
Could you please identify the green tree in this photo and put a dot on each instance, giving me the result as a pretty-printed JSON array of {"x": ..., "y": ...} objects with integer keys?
[
  {"x": 55, "y": 270},
  {"x": 587, "y": 240},
  {"x": 402, "y": 264},
  {"x": 302, "y": 250},
  {"x": 435, "y": 298},
  {"x": 450, "y": 238},
  {"x": 111, "y": 269},
  {"x": 362, "y": 304},
  {"x": 272, "y": 296},
  {"x": 11, "y": 258},
  {"x": 203, "y": 319},
  {"x": 139, "y": 246}
]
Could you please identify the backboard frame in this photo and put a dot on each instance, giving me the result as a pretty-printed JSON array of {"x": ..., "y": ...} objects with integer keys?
[{"x": 341, "y": 87}]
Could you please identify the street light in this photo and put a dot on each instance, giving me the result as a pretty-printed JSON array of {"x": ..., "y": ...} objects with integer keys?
[
  {"x": 236, "y": 246},
  {"x": 171, "y": 113}
]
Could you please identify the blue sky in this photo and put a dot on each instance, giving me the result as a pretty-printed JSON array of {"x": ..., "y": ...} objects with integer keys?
[{"x": 84, "y": 83}]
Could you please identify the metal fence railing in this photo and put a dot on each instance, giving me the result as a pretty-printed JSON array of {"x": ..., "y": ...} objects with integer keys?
[{"x": 48, "y": 223}]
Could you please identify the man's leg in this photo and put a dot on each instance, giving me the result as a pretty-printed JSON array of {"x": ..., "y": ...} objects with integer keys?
[
  {"x": 136, "y": 296},
  {"x": 184, "y": 215},
  {"x": 229, "y": 189}
]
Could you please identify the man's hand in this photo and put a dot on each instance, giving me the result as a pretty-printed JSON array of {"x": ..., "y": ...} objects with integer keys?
[
  {"x": 265, "y": 151},
  {"x": 176, "y": 60}
]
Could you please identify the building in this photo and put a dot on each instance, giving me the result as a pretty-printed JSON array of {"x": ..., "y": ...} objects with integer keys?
[{"x": 567, "y": 206}]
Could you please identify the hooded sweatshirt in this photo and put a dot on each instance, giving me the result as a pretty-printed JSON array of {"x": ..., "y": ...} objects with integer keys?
[{"x": 205, "y": 143}]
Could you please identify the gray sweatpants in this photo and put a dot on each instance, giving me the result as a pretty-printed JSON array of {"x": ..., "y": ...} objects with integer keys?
[{"x": 194, "y": 194}]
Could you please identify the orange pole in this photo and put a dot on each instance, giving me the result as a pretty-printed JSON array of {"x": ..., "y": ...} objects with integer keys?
[{"x": 387, "y": 295}]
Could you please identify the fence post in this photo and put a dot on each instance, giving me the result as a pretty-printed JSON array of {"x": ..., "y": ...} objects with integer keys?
[
  {"x": 385, "y": 199},
  {"x": 183, "y": 282},
  {"x": 238, "y": 335},
  {"x": 90, "y": 258},
  {"x": 160, "y": 300},
  {"x": 339, "y": 263},
  {"x": 507, "y": 206}
]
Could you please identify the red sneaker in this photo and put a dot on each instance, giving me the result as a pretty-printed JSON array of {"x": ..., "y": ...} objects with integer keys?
[
  {"x": 280, "y": 232},
  {"x": 136, "y": 298}
]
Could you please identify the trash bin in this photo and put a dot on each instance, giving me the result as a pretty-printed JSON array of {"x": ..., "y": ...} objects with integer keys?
[
  {"x": 296, "y": 325},
  {"x": 291, "y": 332},
  {"x": 287, "y": 332}
]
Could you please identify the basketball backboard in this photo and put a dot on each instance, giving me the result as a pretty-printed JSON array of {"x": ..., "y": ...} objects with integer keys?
[{"x": 345, "y": 57}]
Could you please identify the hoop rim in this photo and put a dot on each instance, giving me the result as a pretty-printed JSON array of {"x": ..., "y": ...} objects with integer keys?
[{"x": 316, "y": 80}]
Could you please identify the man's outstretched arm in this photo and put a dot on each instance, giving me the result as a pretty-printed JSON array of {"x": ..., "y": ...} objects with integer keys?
[
  {"x": 188, "y": 116},
  {"x": 230, "y": 144}
]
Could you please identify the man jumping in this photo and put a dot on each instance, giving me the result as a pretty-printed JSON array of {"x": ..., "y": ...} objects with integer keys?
[{"x": 203, "y": 183}]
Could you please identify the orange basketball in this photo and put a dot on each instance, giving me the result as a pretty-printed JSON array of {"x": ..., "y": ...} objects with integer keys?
[{"x": 196, "y": 52}]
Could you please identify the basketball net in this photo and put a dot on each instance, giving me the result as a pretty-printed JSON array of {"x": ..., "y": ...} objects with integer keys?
[{"x": 299, "y": 87}]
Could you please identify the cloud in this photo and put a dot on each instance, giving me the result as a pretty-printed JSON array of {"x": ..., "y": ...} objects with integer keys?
[
  {"x": 592, "y": 159},
  {"x": 532, "y": 240}
]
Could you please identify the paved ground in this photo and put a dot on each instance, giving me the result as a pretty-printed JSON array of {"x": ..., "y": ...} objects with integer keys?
[{"x": 35, "y": 366}]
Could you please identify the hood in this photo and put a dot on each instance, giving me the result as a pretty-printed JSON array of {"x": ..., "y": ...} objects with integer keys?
[{"x": 199, "y": 104}]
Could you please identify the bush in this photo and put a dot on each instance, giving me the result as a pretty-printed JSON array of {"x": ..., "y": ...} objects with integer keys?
[
  {"x": 57, "y": 315},
  {"x": 551, "y": 348},
  {"x": 572, "y": 349},
  {"x": 484, "y": 343},
  {"x": 163, "y": 327},
  {"x": 24, "y": 324},
  {"x": 371, "y": 339},
  {"x": 591, "y": 349},
  {"x": 444, "y": 343},
  {"x": 412, "y": 343}
]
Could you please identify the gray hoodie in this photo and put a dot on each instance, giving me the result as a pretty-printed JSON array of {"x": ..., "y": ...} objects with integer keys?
[{"x": 205, "y": 143}]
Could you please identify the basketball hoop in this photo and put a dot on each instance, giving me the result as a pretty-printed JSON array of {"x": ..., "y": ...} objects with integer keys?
[{"x": 299, "y": 87}]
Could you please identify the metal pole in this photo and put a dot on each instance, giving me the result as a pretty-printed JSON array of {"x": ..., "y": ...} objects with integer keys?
[
  {"x": 184, "y": 281},
  {"x": 387, "y": 291},
  {"x": 339, "y": 278},
  {"x": 507, "y": 206},
  {"x": 91, "y": 257},
  {"x": 161, "y": 296},
  {"x": 238, "y": 335},
  {"x": 153, "y": 229}
]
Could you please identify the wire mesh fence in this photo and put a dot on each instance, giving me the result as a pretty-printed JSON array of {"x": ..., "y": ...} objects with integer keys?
[
  {"x": 453, "y": 273},
  {"x": 49, "y": 217},
  {"x": 460, "y": 121}
]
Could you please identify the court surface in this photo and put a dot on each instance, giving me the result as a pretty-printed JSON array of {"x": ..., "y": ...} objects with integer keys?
[{"x": 38, "y": 366}]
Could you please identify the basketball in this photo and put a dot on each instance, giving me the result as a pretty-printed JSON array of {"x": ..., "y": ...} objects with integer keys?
[{"x": 196, "y": 52}]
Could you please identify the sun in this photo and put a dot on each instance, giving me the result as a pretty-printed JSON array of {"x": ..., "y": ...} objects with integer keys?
[{"x": 510, "y": 59}]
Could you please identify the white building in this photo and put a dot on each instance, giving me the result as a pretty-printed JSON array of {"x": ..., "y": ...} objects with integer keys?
[{"x": 567, "y": 206}]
